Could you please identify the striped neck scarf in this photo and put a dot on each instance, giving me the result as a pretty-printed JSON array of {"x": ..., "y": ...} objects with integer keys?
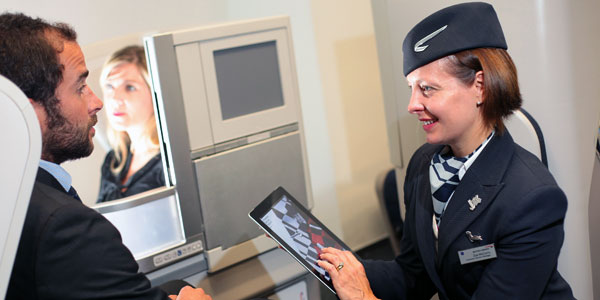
[{"x": 443, "y": 177}]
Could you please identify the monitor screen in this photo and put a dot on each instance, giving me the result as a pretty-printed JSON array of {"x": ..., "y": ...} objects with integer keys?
[{"x": 248, "y": 79}]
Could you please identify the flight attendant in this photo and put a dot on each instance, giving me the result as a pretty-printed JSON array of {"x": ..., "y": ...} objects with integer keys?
[{"x": 484, "y": 217}]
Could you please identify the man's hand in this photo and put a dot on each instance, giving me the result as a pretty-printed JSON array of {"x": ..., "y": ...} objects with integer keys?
[{"x": 190, "y": 293}]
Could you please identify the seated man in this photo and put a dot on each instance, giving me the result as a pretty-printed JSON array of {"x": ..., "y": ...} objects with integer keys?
[{"x": 67, "y": 250}]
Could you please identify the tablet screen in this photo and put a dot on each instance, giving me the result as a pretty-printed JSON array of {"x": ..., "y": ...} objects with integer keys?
[{"x": 297, "y": 231}]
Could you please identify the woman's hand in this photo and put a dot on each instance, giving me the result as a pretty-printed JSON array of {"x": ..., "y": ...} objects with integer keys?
[{"x": 347, "y": 273}]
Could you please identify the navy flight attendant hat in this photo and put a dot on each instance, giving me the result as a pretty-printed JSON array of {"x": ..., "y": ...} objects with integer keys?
[{"x": 451, "y": 30}]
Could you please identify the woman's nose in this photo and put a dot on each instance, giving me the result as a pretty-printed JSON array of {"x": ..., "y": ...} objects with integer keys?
[
  {"x": 118, "y": 95},
  {"x": 113, "y": 100},
  {"x": 114, "y": 97},
  {"x": 415, "y": 105}
]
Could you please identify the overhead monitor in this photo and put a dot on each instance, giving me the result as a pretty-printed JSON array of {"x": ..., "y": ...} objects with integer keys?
[{"x": 236, "y": 80}]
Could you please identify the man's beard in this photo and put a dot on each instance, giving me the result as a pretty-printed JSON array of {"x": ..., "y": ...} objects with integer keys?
[{"x": 65, "y": 141}]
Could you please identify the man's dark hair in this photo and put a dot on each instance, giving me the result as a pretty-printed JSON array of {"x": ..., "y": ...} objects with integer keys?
[{"x": 29, "y": 49}]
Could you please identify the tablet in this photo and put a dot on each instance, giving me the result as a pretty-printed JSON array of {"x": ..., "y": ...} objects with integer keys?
[{"x": 297, "y": 231}]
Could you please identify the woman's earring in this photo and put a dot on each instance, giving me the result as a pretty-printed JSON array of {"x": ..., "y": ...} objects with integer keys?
[{"x": 478, "y": 103}]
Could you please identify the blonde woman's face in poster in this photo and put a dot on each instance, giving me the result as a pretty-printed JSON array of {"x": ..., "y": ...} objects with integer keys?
[{"x": 127, "y": 98}]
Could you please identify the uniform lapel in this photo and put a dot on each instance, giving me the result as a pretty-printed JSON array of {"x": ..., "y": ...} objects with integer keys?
[
  {"x": 423, "y": 222},
  {"x": 483, "y": 179}
]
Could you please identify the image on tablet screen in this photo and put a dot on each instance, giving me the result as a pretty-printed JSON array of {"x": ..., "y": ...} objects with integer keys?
[{"x": 299, "y": 232}]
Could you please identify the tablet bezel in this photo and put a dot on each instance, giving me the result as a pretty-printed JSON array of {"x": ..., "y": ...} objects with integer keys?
[{"x": 267, "y": 204}]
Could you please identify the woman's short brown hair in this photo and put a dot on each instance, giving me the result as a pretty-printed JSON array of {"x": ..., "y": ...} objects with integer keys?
[{"x": 501, "y": 95}]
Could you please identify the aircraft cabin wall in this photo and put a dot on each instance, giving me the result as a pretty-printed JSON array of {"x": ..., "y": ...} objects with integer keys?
[{"x": 555, "y": 47}]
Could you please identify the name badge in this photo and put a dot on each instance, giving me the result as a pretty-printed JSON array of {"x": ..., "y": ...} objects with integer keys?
[{"x": 477, "y": 254}]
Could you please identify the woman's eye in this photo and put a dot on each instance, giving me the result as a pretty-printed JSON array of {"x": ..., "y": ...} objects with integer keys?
[{"x": 130, "y": 88}]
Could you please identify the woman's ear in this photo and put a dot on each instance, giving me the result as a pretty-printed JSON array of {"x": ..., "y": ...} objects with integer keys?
[
  {"x": 479, "y": 82},
  {"x": 479, "y": 88}
]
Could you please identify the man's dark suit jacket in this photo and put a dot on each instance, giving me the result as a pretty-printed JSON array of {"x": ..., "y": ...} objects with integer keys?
[
  {"x": 522, "y": 211},
  {"x": 69, "y": 251}
]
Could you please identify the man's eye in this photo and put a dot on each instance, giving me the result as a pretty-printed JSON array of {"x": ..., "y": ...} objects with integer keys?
[
  {"x": 82, "y": 88},
  {"x": 130, "y": 88}
]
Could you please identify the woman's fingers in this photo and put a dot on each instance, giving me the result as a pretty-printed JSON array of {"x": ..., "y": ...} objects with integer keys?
[
  {"x": 332, "y": 250},
  {"x": 335, "y": 256},
  {"x": 347, "y": 273},
  {"x": 330, "y": 268},
  {"x": 333, "y": 259},
  {"x": 329, "y": 262}
]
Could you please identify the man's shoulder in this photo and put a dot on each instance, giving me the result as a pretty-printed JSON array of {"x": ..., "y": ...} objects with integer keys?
[
  {"x": 48, "y": 196},
  {"x": 61, "y": 233},
  {"x": 46, "y": 201}
]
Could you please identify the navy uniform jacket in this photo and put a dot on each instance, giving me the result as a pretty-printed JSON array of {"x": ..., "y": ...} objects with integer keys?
[
  {"x": 69, "y": 251},
  {"x": 522, "y": 212}
]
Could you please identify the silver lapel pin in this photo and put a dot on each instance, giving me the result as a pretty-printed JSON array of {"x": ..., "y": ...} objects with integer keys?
[
  {"x": 473, "y": 202},
  {"x": 472, "y": 237}
]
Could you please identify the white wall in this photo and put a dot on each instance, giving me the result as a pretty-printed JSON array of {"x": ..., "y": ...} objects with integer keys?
[
  {"x": 338, "y": 78},
  {"x": 347, "y": 58}
]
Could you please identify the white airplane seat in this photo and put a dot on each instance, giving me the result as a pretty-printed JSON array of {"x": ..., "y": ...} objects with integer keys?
[
  {"x": 526, "y": 132},
  {"x": 20, "y": 133}
]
